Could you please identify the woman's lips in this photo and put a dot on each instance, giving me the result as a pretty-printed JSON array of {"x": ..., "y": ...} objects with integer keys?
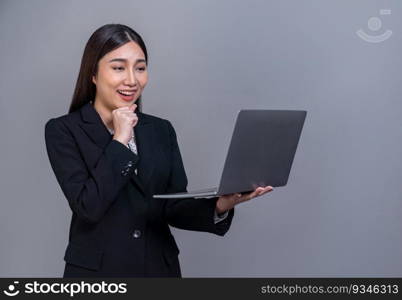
[{"x": 127, "y": 97}]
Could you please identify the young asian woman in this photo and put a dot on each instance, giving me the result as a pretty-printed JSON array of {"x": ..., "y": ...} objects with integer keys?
[{"x": 109, "y": 158}]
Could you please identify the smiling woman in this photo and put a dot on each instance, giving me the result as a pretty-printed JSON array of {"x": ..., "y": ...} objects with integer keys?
[
  {"x": 112, "y": 47},
  {"x": 121, "y": 77},
  {"x": 109, "y": 159}
]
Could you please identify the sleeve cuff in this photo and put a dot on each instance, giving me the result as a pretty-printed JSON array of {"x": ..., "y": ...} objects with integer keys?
[
  {"x": 122, "y": 158},
  {"x": 220, "y": 217}
]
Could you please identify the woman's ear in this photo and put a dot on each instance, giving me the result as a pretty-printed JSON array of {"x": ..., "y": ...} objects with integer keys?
[{"x": 94, "y": 79}]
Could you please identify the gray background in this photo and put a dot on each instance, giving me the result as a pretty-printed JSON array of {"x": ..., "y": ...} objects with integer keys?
[{"x": 341, "y": 213}]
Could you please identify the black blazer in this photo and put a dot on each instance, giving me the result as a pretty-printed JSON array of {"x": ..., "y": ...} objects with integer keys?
[{"x": 117, "y": 228}]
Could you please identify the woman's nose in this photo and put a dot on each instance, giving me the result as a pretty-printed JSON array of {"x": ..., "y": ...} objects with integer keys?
[{"x": 130, "y": 78}]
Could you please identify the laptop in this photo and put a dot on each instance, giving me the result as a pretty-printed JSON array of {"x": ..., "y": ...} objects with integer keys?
[{"x": 261, "y": 153}]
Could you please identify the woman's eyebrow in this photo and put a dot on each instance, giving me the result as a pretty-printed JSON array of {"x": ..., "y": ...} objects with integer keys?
[{"x": 125, "y": 60}]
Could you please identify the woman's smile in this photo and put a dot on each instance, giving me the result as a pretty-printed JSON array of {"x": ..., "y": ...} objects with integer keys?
[{"x": 127, "y": 95}]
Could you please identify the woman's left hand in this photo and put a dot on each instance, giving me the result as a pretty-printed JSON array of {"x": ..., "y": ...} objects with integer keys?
[{"x": 227, "y": 202}]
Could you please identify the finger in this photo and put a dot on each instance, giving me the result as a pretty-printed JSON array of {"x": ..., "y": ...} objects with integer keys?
[
  {"x": 251, "y": 195},
  {"x": 123, "y": 108},
  {"x": 266, "y": 190},
  {"x": 129, "y": 114},
  {"x": 245, "y": 197},
  {"x": 259, "y": 189},
  {"x": 130, "y": 108},
  {"x": 258, "y": 192}
]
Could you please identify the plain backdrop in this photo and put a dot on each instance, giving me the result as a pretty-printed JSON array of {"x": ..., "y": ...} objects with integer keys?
[{"x": 341, "y": 212}]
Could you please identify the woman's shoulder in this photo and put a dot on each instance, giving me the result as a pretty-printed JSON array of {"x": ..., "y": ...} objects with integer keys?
[
  {"x": 63, "y": 121},
  {"x": 156, "y": 120},
  {"x": 163, "y": 126}
]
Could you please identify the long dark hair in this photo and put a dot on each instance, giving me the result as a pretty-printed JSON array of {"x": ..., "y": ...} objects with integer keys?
[{"x": 103, "y": 40}]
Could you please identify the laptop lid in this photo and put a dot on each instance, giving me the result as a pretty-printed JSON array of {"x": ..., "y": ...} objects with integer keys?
[{"x": 261, "y": 150}]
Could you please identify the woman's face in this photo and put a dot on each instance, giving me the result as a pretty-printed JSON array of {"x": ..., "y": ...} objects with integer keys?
[{"x": 122, "y": 76}]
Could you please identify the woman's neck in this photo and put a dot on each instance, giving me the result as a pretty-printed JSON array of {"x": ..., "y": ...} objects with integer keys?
[{"x": 104, "y": 113}]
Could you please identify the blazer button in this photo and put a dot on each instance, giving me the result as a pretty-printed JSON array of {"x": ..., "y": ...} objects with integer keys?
[
  {"x": 125, "y": 171},
  {"x": 137, "y": 233}
]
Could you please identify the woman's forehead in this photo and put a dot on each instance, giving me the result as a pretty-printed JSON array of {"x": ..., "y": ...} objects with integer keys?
[{"x": 130, "y": 51}]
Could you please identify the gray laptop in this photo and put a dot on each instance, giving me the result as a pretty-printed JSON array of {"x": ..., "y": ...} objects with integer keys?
[{"x": 261, "y": 153}]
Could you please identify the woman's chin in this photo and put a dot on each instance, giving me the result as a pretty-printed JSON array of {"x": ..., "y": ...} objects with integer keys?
[{"x": 123, "y": 104}]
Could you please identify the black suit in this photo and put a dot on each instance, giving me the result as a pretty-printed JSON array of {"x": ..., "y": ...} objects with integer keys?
[{"x": 117, "y": 228}]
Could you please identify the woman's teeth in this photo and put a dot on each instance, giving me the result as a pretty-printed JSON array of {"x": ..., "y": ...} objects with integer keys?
[{"x": 126, "y": 93}]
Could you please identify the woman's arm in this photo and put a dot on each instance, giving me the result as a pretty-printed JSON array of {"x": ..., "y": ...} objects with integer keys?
[{"x": 89, "y": 192}]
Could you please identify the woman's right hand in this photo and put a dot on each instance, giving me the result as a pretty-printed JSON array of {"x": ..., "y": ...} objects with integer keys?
[{"x": 124, "y": 119}]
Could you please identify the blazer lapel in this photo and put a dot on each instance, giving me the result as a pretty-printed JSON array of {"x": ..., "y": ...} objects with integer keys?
[
  {"x": 145, "y": 141},
  {"x": 98, "y": 133},
  {"x": 94, "y": 127}
]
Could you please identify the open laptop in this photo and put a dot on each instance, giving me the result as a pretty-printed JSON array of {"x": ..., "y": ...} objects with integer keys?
[{"x": 261, "y": 153}]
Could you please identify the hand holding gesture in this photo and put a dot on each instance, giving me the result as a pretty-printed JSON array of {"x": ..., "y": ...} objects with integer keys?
[
  {"x": 124, "y": 119},
  {"x": 227, "y": 202}
]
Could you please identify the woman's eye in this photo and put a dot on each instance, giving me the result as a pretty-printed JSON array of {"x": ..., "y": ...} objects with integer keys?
[{"x": 141, "y": 69}]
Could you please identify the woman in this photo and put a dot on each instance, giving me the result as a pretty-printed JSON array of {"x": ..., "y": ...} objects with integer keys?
[{"x": 110, "y": 158}]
